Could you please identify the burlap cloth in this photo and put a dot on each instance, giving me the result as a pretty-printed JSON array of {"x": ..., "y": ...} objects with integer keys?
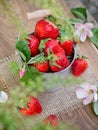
[{"x": 63, "y": 99}]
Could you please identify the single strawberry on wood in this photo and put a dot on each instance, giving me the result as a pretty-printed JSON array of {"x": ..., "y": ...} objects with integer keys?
[
  {"x": 79, "y": 65},
  {"x": 33, "y": 45},
  {"x": 46, "y": 29}
]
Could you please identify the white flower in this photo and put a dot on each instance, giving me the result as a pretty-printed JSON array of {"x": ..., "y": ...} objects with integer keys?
[
  {"x": 3, "y": 97},
  {"x": 87, "y": 92},
  {"x": 83, "y": 30}
]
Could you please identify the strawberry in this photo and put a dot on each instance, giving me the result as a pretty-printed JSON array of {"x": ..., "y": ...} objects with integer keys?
[
  {"x": 46, "y": 29},
  {"x": 53, "y": 47},
  {"x": 42, "y": 67},
  {"x": 68, "y": 47},
  {"x": 33, "y": 45},
  {"x": 34, "y": 107},
  {"x": 58, "y": 62},
  {"x": 79, "y": 66},
  {"x": 52, "y": 119}
]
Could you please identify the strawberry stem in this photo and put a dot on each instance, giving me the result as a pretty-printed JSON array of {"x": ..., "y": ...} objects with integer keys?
[{"x": 36, "y": 58}]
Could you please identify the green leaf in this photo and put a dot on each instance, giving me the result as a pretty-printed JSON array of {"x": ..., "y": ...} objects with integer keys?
[
  {"x": 96, "y": 107},
  {"x": 22, "y": 46},
  {"x": 75, "y": 20},
  {"x": 94, "y": 39},
  {"x": 80, "y": 13},
  {"x": 22, "y": 56},
  {"x": 31, "y": 74},
  {"x": 51, "y": 18},
  {"x": 14, "y": 67},
  {"x": 38, "y": 58}
]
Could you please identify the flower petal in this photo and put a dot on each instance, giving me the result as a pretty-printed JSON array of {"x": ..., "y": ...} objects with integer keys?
[
  {"x": 95, "y": 97},
  {"x": 89, "y": 33},
  {"x": 78, "y": 25},
  {"x": 81, "y": 93},
  {"x": 83, "y": 36},
  {"x": 85, "y": 86},
  {"x": 88, "y": 99},
  {"x": 89, "y": 25},
  {"x": 3, "y": 97},
  {"x": 21, "y": 73},
  {"x": 94, "y": 88}
]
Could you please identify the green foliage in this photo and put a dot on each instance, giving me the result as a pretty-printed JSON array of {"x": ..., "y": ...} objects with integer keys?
[
  {"x": 7, "y": 8},
  {"x": 94, "y": 39},
  {"x": 80, "y": 12},
  {"x": 75, "y": 20},
  {"x": 42, "y": 126},
  {"x": 14, "y": 67},
  {"x": 22, "y": 46},
  {"x": 38, "y": 58},
  {"x": 95, "y": 105},
  {"x": 54, "y": 6},
  {"x": 31, "y": 75},
  {"x": 51, "y": 18},
  {"x": 66, "y": 29}
]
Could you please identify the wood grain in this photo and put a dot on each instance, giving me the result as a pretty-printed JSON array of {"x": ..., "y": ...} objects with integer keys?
[{"x": 84, "y": 118}]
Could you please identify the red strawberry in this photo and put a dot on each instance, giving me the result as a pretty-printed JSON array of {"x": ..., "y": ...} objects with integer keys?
[
  {"x": 34, "y": 107},
  {"x": 52, "y": 119},
  {"x": 58, "y": 62},
  {"x": 79, "y": 66},
  {"x": 42, "y": 67},
  {"x": 68, "y": 47},
  {"x": 53, "y": 47},
  {"x": 46, "y": 29},
  {"x": 33, "y": 45}
]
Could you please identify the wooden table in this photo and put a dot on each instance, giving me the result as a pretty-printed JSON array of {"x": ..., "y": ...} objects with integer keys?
[{"x": 83, "y": 117}]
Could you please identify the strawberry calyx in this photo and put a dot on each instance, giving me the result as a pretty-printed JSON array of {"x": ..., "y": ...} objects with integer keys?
[
  {"x": 52, "y": 59},
  {"x": 51, "y": 18},
  {"x": 42, "y": 44},
  {"x": 81, "y": 57},
  {"x": 38, "y": 58}
]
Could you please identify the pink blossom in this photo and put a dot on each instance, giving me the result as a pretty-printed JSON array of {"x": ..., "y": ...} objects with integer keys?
[
  {"x": 83, "y": 31},
  {"x": 21, "y": 73},
  {"x": 87, "y": 92}
]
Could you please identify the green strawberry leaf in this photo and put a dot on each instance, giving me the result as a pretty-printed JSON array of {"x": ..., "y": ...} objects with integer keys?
[
  {"x": 38, "y": 58},
  {"x": 66, "y": 30},
  {"x": 94, "y": 39},
  {"x": 14, "y": 67},
  {"x": 80, "y": 13},
  {"x": 22, "y": 56},
  {"x": 51, "y": 18},
  {"x": 31, "y": 75},
  {"x": 95, "y": 105},
  {"x": 22, "y": 46}
]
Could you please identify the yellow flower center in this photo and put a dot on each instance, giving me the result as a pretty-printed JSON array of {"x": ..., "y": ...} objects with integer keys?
[{"x": 90, "y": 91}]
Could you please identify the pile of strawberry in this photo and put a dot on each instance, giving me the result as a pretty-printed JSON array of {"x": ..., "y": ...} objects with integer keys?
[{"x": 46, "y": 40}]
